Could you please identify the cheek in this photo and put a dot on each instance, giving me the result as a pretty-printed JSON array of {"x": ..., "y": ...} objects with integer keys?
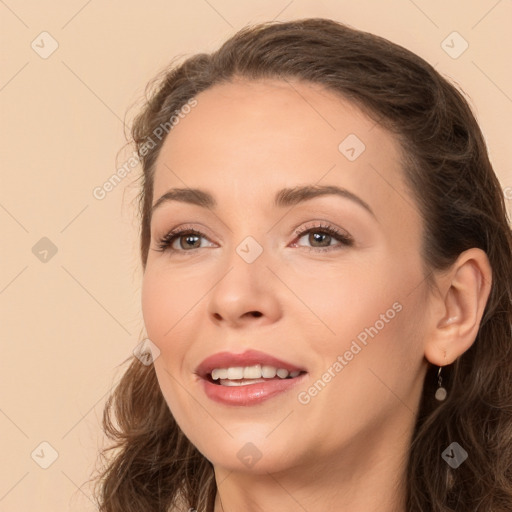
[
  {"x": 164, "y": 310},
  {"x": 341, "y": 300},
  {"x": 163, "y": 305},
  {"x": 380, "y": 334},
  {"x": 172, "y": 302},
  {"x": 368, "y": 371},
  {"x": 165, "y": 301},
  {"x": 371, "y": 317}
]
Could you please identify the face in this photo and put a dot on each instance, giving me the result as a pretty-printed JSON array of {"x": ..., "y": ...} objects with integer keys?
[{"x": 329, "y": 284}]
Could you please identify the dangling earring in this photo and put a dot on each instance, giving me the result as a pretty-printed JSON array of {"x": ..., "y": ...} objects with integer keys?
[{"x": 441, "y": 392}]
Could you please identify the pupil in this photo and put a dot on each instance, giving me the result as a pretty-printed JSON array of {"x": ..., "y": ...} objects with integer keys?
[
  {"x": 317, "y": 237},
  {"x": 188, "y": 238}
]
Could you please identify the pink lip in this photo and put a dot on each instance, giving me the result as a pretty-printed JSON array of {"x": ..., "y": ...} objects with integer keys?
[
  {"x": 247, "y": 358},
  {"x": 250, "y": 394}
]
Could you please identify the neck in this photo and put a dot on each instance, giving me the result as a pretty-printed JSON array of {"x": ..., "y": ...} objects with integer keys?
[{"x": 367, "y": 476}]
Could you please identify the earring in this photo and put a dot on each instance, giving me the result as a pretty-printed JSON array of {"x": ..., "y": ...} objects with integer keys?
[{"x": 441, "y": 392}]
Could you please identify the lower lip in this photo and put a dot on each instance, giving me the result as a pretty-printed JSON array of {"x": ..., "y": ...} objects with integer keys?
[{"x": 251, "y": 394}]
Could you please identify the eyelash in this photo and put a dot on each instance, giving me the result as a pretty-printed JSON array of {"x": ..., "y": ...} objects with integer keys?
[{"x": 164, "y": 244}]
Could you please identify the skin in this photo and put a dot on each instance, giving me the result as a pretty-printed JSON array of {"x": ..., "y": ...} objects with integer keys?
[{"x": 346, "y": 448}]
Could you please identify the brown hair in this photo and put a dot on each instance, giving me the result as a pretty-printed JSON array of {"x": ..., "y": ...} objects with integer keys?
[{"x": 447, "y": 168}]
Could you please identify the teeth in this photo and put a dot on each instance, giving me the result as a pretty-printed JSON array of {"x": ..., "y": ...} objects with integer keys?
[
  {"x": 252, "y": 373},
  {"x": 219, "y": 373},
  {"x": 236, "y": 372},
  {"x": 268, "y": 372}
]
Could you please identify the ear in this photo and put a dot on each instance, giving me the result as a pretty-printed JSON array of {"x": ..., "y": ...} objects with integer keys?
[{"x": 457, "y": 310}]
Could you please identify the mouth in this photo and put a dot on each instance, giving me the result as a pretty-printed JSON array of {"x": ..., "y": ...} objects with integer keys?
[
  {"x": 248, "y": 378},
  {"x": 249, "y": 365}
]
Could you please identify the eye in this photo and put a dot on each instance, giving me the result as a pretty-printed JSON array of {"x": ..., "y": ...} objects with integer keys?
[
  {"x": 320, "y": 237},
  {"x": 187, "y": 240}
]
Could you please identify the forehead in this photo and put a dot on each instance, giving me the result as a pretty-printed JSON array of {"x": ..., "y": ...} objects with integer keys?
[
  {"x": 247, "y": 128},
  {"x": 246, "y": 139}
]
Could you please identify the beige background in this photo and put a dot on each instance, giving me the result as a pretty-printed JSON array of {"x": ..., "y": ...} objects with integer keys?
[{"x": 68, "y": 322}]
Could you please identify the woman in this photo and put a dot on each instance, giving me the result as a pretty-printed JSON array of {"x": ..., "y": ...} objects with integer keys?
[{"x": 327, "y": 287}]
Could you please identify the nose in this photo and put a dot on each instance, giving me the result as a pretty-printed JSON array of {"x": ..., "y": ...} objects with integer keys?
[{"x": 248, "y": 293}]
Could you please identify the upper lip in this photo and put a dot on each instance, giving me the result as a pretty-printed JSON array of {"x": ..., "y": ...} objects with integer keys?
[{"x": 247, "y": 358}]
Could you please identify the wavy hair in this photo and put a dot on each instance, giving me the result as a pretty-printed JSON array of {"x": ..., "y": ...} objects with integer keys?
[{"x": 152, "y": 465}]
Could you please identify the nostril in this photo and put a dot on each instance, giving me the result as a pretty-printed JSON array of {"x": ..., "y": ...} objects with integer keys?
[{"x": 256, "y": 313}]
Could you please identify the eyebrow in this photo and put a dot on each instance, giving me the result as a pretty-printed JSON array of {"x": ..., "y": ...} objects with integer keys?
[{"x": 283, "y": 198}]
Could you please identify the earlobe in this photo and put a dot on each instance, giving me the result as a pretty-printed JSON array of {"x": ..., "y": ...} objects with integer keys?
[{"x": 459, "y": 307}]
